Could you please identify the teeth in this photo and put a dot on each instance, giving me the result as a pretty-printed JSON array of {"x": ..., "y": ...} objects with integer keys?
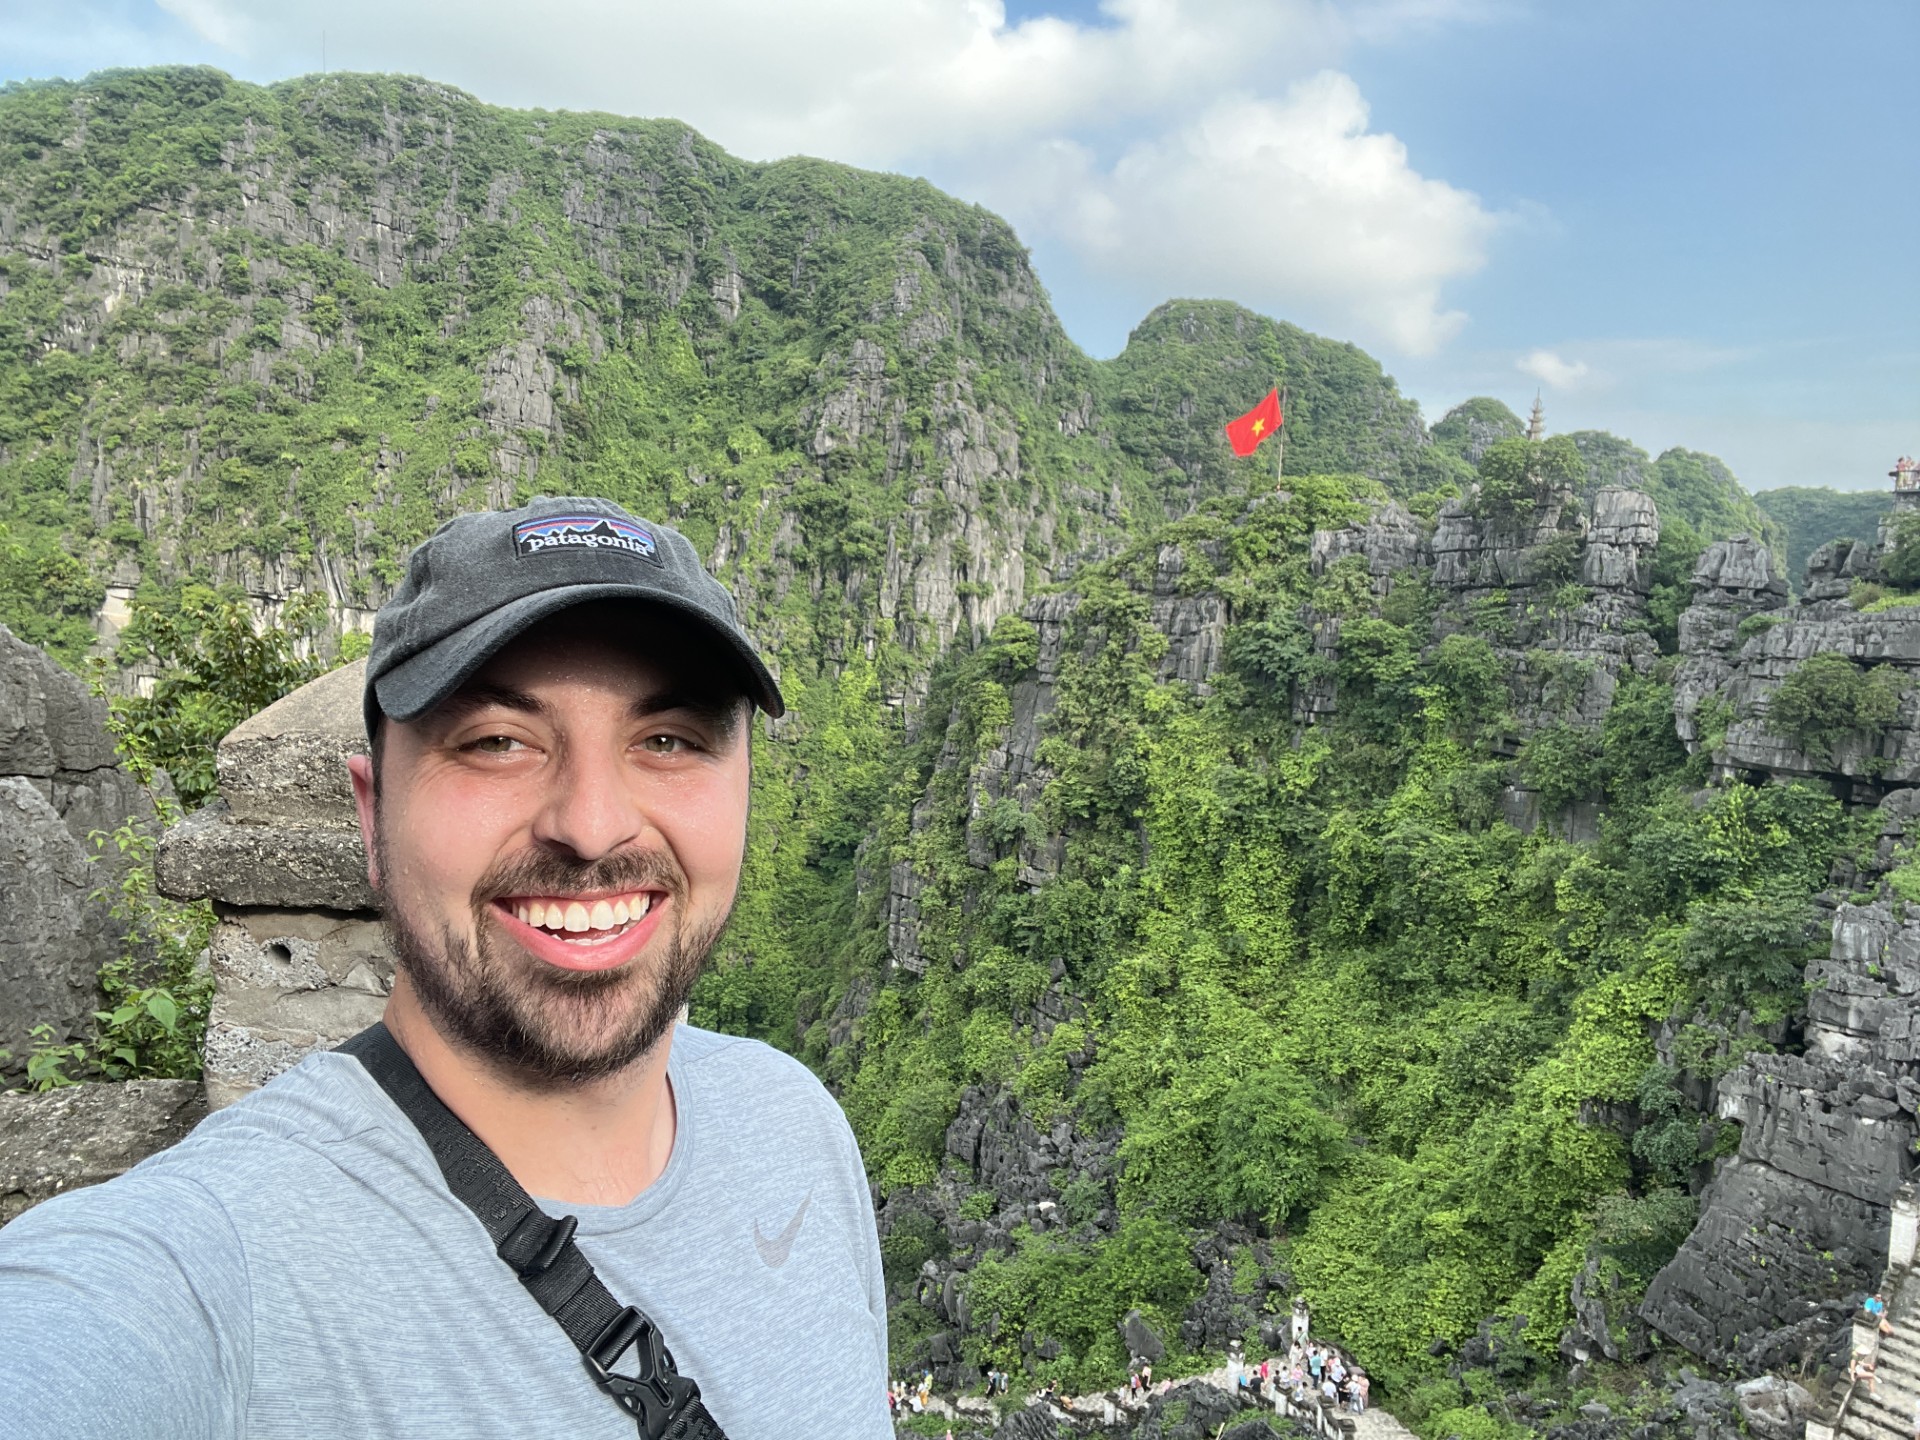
[{"x": 578, "y": 916}]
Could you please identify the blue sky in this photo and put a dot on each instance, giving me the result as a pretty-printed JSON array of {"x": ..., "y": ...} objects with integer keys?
[{"x": 1691, "y": 224}]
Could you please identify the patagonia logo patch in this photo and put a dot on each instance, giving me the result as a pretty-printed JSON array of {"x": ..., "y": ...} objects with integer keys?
[{"x": 555, "y": 533}]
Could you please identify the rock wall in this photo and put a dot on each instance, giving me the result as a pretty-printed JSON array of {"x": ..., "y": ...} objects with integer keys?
[
  {"x": 299, "y": 961},
  {"x": 59, "y": 784},
  {"x": 1795, "y": 1225}
]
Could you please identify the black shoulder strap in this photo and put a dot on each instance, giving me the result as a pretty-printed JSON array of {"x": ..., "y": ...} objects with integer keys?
[{"x": 665, "y": 1404}]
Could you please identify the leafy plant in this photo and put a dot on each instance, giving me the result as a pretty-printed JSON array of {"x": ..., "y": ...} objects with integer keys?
[{"x": 216, "y": 666}]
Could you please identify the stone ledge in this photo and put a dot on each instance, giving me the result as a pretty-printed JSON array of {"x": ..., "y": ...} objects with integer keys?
[
  {"x": 83, "y": 1134},
  {"x": 288, "y": 764},
  {"x": 209, "y": 856}
]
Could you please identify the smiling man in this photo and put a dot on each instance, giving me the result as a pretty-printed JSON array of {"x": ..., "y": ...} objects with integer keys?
[{"x": 530, "y": 1203}]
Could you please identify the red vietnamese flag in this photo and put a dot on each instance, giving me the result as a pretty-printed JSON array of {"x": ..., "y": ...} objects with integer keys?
[{"x": 1246, "y": 433}]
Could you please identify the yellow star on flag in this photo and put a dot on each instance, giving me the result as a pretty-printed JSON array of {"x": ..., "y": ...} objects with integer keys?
[{"x": 1259, "y": 426}]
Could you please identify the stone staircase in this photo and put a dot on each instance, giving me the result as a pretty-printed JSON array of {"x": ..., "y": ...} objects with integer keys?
[{"x": 1886, "y": 1408}]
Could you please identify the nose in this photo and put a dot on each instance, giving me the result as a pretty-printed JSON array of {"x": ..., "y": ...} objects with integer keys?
[{"x": 593, "y": 807}]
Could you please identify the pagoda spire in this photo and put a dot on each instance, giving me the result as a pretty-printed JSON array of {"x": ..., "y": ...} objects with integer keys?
[{"x": 1537, "y": 421}]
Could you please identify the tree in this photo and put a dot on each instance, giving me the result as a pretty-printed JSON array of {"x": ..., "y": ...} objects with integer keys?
[
  {"x": 1518, "y": 475},
  {"x": 215, "y": 669},
  {"x": 1901, "y": 564},
  {"x": 1275, "y": 1149}
]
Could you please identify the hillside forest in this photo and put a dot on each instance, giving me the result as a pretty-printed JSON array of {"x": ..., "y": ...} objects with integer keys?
[{"x": 1199, "y": 890}]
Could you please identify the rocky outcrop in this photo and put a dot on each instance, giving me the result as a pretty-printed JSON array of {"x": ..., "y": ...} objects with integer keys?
[
  {"x": 84, "y": 1134},
  {"x": 1795, "y": 1226},
  {"x": 299, "y": 959},
  {"x": 1739, "y": 641},
  {"x": 1559, "y": 591},
  {"x": 1191, "y": 618},
  {"x": 59, "y": 786},
  {"x": 53, "y": 733}
]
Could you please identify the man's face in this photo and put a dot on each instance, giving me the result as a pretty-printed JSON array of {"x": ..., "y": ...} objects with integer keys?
[{"x": 559, "y": 843}]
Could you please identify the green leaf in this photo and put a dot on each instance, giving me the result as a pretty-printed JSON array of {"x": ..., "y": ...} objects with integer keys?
[{"x": 161, "y": 1007}]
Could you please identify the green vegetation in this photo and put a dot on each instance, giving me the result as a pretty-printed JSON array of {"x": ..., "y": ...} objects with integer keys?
[
  {"x": 1519, "y": 476},
  {"x": 1471, "y": 426},
  {"x": 1808, "y": 516},
  {"x": 212, "y": 669},
  {"x": 1268, "y": 927},
  {"x": 1828, "y": 698}
]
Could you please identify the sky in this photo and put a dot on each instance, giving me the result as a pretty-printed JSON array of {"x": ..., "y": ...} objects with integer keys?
[{"x": 1690, "y": 224}]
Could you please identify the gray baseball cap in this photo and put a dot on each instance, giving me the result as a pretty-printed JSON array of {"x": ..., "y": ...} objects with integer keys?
[{"x": 479, "y": 580}]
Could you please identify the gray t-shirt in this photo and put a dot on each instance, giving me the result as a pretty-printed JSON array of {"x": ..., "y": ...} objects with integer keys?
[{"x": 297, "y": 1267}]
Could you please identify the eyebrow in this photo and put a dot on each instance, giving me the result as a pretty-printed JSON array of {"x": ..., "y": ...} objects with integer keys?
[{"x": 721, "y": 714}]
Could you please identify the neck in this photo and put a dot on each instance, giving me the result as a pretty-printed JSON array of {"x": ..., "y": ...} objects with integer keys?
[{"x": 599, "y": 1143}]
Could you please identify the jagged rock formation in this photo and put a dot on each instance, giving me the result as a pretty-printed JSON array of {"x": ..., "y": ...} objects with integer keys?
[
  {"x": 848, "y": 389},
  {"x": 299, "y": 961},
  {"x": 1793, "y": 1228},
  {"x": 1739, "y": 642},
  {"x": 1575, "y": 582},
  {"x": 59, "y": 784},
  {"x": 1561, "y": 594}
]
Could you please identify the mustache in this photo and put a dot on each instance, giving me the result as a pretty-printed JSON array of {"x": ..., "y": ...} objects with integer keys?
[{"x": 550, "y": 873}]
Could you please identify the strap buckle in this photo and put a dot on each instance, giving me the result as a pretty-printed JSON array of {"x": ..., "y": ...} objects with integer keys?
[{"x": 656, "y": 1395}]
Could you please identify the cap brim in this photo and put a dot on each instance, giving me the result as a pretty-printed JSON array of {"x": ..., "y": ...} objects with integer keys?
[{"x": 420, "y": 682}]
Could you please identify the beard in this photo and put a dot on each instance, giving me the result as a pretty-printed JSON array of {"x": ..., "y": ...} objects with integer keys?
[{"x": 546, "y": 1027}]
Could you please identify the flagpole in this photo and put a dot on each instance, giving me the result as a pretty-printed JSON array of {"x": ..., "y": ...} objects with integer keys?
[{"x": 1280, "y": 466}]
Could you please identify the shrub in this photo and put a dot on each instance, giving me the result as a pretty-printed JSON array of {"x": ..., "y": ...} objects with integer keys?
[
  {"x": 1901, "y": 563},
  {"x": 1755, "y": 948},
  {"x": 1562, "y": 763},
  {"x": 215, "y": 669},
  {"x": 1828, "y": 698}
]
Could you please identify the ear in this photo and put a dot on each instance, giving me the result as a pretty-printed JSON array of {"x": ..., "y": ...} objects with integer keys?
[{"x": 360, "y": 771}]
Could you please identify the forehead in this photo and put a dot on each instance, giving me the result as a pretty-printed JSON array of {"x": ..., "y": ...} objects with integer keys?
[{"x": 640, "y": 649}]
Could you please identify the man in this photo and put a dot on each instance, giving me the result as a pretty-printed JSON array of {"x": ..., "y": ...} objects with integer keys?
[{"x": 554, "y": 812}]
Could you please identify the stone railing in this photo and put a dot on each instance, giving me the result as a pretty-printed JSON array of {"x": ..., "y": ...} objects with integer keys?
[{"x": 299, "y": 961}]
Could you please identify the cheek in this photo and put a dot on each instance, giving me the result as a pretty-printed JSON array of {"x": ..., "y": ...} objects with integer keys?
[
  {"x": 442, "y": 841},
  {"x": 710, "y": 832}
]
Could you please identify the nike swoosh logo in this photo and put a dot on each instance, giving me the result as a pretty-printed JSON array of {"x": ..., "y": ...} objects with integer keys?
[{"x": 776, "y": 1250}]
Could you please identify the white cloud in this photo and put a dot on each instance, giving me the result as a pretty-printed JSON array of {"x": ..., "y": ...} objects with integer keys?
[
  {"x": 1549, "y": 369},
  {"x": 1289, "y": 204},
  {"x": 1162, "y": 147}
]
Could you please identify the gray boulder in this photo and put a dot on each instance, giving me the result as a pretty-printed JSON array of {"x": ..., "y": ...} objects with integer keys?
[
  {"x": 1142, "y": 1342},
  {"x": 1774, "y": 1409},
  {"x": 1192, "y": 1411},
  {"x": 84, "y": 1134},
  {"x": 50, "y": 957},
  {"x": 53, "y": 732},
  {"x": 59, "y": 784},
  {"x": 1033, "y": 1423}
]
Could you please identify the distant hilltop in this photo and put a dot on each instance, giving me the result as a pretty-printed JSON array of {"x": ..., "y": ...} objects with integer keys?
[{"x": 269, "y": 337}]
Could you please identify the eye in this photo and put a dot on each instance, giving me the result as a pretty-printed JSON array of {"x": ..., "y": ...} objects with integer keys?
[
  {"x": 495, "y": 745},
  {"x": 664, "y": 745}
]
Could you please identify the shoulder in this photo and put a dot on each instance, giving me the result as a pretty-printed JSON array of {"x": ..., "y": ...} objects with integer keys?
[
  {"x": 288, "y": 1148},
  {"x": 750, "y": 1080}
]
